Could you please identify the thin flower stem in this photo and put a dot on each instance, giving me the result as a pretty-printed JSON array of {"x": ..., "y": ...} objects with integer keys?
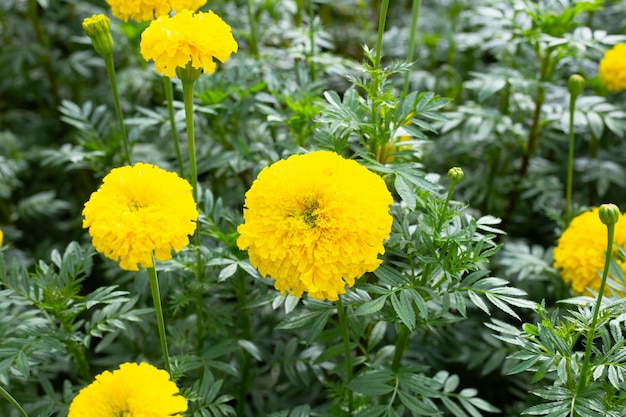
[
  {"x": 570, "y": 158},
  {"x": 169, "y": 96},
  {"x": 343, "y": 324},
  {"x": 13, "y": 401},
  {"x": 382, "y": 18},
  {"x": 110, "y": 67},
  {"x": 312, "y": 40},
  {"x": 191, "y": 145},
  {"x": 156, "y": 298},
  {"x": 402, "y": 342},
  {"x": 415, "y": 14},
  {"x": 254, "y": 46},
  {"x": 582, "y": 383}
]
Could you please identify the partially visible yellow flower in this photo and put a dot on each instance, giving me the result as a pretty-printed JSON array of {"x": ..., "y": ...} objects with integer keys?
[
  {"x": 315, "y": 223},
  {"x": 613, "y": 68},
  {"x": 140, "y": 210},
  {"x": 1, "y": 237},
  {"x": 581, "y": 250},
  {"x": 133, "y": 390},
  {"x": 187, "y": 38},
  {"x": 142, "y": 10}
]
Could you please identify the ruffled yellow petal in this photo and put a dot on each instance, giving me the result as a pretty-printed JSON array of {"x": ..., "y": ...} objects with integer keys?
[
  {"x": 198, "y": 38},
  {"x": 143, "y": 10},
  {"x": 612, "y": 68},
  {"x": 580, "y": 251},
  {"x": 132, "y": 390},
  {"x": 315, "y": 223},
  {"x": 138, "y": 211}
]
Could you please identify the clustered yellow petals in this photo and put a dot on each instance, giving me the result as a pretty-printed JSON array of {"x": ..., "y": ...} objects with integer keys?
[
  {"x": 197, "y": 39},
  {"x": 315, "y": 223},
  {"x": 581, "y": 249},
  {"x": 143, "y": 10},
  {"x": 1, "y": 237},
  {"x": 613, "y": 68},
  {"x": 133, "y": 390},
  {"x": 139, "y": 211}
]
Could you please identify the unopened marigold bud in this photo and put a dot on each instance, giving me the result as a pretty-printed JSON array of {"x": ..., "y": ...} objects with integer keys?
[
  {"x": 576, "y": 85},
  {"x": 609, "y": 214},
  {"x": 98, "y": 28},
  {"x": 455, "y": 174}
]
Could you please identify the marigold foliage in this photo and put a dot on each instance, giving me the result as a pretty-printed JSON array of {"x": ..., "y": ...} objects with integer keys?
[
  {"x": 187, "y": 38},
  {"x": 581, "y": 249},
  {"x": 132, "y": 390},
  {"x": 142, "y": 10},
  {"x": 315, "y": 222},
  {"x": 139, "y": 210},
  {"x": 613, "y": 68}
]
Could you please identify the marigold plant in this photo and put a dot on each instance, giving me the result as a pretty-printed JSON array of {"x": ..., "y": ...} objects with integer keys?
[
  {"x": 132, "y": 390},
  {"x": 187, "y": 38},
  {"x": 139, "y": 211},
  {"x": 581, "y": 248},
  {"x": 315, "y": 223},
  {"x": 142, "y": 10},
  {"x": 612, "y": 68}
]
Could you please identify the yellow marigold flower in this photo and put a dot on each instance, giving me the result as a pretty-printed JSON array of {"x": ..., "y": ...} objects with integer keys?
[
  {"x": 315, "y": 223},
  {"x": 613, "y": 68},
  {"x": 132, "y": 390},
  {"x": 581, "y": 248},
  {"x": 140, "y": 210},
  {"x": 185, "y": 38},
  {"x": 1, "y": 237},
  {"x": 142, "y": 10}
]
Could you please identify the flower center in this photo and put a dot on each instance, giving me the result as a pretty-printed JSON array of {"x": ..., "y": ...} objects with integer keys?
[{"x": 308, "y": 211}]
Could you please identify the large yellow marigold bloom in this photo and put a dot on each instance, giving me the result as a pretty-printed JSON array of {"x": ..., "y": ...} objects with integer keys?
[
  {"x": 140, "y": 210},
  {"x": 581, "y": 250},
  {"x": 315, "y": 223},
  {"x": 142, "y": 10},
  {"x": 187, "y": 38},
  {"x": 613, "y": 68},
  {"x": 133, "y": 390}
]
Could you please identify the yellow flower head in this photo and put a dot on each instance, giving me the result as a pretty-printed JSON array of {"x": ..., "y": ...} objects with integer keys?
[
  {"x": 140, "y": 210},
  {"x": 315, "y": 223},
  {"x": 142, "y": 10},
  {"x": 1, "y": 237},
  {"x": 581, "y": 250},
  {"x": 613, "y": 68},
  {"x": 132, "y": 390},
  {"x": 185, "y": 38}
]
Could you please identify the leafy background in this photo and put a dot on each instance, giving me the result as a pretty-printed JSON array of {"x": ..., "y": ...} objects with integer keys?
[{"x": 438, "y": 328}]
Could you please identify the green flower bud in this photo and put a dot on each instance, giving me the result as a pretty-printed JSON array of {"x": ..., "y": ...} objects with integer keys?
[
  {"x": 609, "y": 214},
  {"x": 455, "y": 174},
  {"x": 576, "y": 85},
  {"x": 188, "y": 73},
  {"x": 98, "y": 28}
]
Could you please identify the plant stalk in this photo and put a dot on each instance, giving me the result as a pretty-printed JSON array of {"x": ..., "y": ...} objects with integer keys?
[
  {"x": 415, "y": 13},
  {"x": 110, "y": 67},
  {"x": 345, "y": 333},
  {"x": 156, "y": 298},
  {"x": 254, "y": 46},
  {"x": 169, "y": 96},
  {"x": 582, "y": 383},
  {"x": 570, "y": 158},
  {"x": 12, "y": 401}
]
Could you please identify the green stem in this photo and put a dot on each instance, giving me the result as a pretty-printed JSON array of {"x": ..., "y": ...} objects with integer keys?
[
  {"x": 570, "y": 158},
  {"x": 13, "y": 401},
  {"x": 381, "y": 30},
  {"x": 343, "y": 324},
  {"x": 156, "y": 298},
  {"x": 108, "y": 61},
  {"x": 312, "y": 41},
  {"x": 374, "y": 93},
  {"x": 169, "y": 96},
  {"x": 596, "y": 310},
  {"x": 254, "y": 46},
  {"x": 402, "y": 341},
  {"x": 415, "y": 13},
  {"x": 191, "y": 145}
]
